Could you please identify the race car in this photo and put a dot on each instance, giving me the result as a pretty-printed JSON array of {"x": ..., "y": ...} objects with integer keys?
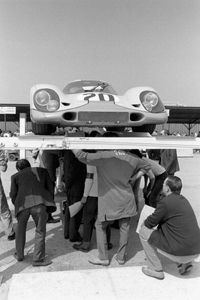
[
  {"x": 13, "y": 155},
  {"x": 94, "y": 103}
]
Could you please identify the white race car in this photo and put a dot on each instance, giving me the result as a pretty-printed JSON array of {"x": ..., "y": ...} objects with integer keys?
[{"x": 93, "y": 103}]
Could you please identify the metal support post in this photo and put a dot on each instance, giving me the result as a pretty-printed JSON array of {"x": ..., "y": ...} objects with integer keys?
[{"x": 22, "y": 130}]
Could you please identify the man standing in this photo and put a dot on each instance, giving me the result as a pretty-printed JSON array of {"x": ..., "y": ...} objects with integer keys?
[
  {"x": 115, "y": 196},
  {"x": 48, "y": 159},
  {"x": 74, "y": 179},
  {"x": 177, "y": 235},
  {"x": 5, "y": 213},
  {"x": 32, "y": 194},
  {"x": 90, "y": 202}
]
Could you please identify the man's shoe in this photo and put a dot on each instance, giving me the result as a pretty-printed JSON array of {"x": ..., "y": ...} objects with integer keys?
[
  {"x": 11, "y": 237},
  {"x": 98, "y": 261},
  {"x": 120, "y": 261},
  {"x": 17, "y": 258},
  {"x": 156, "y": 274},
  {"x": 42, "y": 263},
  {"x": 185, "y": 268},
  {"x": 52, "y": 220},
  {"x": 81, "y": 247},
  {"x": 78, "y": 238}
]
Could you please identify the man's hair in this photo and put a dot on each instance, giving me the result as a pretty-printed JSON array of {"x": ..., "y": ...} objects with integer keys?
[
  {"x": 136, "y": 152},
  {"x": 22, "y": 164},
  {"x": 174, "y": 183}
]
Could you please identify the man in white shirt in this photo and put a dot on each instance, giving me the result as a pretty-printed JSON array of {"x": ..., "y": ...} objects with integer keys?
[{"x": 90, "y": 201}]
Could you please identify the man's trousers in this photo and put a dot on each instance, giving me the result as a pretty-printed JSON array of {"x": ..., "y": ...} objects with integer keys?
[
  {"x": 89, "y": 217},
  {"x": 5, "y": 213},
  {"x": 39, "y": 216},
  {"x": 151, "y": 252},
  {"x": 124, "y": 226},
  {"x": 72, "y": 225}
]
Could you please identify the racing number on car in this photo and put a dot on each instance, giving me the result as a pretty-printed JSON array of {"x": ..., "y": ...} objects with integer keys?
[{"x": 98, "y": 97}]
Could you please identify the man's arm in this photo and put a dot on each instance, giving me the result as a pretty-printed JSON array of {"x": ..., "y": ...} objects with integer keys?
[
  {"x": 93, "y": 158},
  {"x": 68, "y": 168},
  {"x": 151, "y": 177},
  {"x": 136, "y": 176},
  {"x": 48, "y": 183},
  {"x": 88, "y": 183},
  {"x": 136, "y": 162},
  {"x": 158, "y": 215},
  {"x": 13, "y": 189}
]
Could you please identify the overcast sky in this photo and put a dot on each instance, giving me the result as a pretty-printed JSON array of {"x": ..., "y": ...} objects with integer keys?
[{"x": 124, "y": 42}]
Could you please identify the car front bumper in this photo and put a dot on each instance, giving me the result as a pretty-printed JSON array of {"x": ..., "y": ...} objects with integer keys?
[{"x": 93, "y": 116}]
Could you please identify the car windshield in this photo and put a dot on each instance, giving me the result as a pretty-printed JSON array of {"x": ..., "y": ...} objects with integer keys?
[{"x": 83, "y": 86}]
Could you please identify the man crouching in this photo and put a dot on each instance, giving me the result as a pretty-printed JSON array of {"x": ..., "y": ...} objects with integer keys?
[{"x": 177, "y": 235}]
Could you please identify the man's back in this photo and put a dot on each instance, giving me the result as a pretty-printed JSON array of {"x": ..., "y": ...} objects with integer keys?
[
  {"x": 114, "y": 170},
  {"x": 178, "y": 232},
  {"x": 74, "y": 174},
  {"x": 30, "y": 187}
]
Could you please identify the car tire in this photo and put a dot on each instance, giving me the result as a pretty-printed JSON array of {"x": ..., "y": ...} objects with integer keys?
[
  {"x": 12, "y": 157},
  {"x": 43, "y": 129},
  {"x": 145, "y": 128}
]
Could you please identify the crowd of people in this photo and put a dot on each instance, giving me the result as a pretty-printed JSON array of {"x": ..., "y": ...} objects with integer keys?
[
  {"x": 106, "y": 183},
  {"x": 8, "y": 133}
]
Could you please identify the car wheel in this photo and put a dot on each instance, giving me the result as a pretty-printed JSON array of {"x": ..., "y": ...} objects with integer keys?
[
  {"x": 43, "y": 129},
  {"x": 145, "y": 128},
  {"x": 12, "y": 157}
]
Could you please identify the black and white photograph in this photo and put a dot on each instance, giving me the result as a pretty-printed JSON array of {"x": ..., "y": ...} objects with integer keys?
[{"x": 99, "y": 149}]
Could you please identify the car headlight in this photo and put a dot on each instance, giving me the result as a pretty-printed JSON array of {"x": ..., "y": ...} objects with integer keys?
[
  {"x": 53, "y": 105},
  {"x": 151, "y": 102},
  {"x": 46, "y": 100},
  {"x": 42, "y": 98}
]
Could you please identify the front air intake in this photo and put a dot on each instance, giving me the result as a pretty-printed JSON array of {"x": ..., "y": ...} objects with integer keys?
[
  {"x": 70, "y": 116},
  {"x": 135, "y": 117}
]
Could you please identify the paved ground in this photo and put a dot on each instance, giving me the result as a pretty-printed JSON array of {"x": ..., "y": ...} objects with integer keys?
[{"x": 65, "y": 258}]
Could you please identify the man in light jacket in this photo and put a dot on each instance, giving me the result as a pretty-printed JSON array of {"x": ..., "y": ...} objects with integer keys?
[{"x": 116, "y": 200}]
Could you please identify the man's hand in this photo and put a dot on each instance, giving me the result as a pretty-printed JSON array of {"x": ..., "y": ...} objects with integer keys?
[
  {"x": 83, "y": 200},
  {"x": 146, "y": 192},
  {"x": 75, "y": 151}
]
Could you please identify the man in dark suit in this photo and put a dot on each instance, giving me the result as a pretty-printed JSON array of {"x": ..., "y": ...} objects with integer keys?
[
  {"x": 177, "y": 235},
  {"x": 32, "y": 194},
  {"x": 74, "y": 178},
  {"x": 48, "y": 159}
]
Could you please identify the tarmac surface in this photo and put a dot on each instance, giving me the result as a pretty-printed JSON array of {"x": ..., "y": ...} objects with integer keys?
[{"x": 66, "y": 259}]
